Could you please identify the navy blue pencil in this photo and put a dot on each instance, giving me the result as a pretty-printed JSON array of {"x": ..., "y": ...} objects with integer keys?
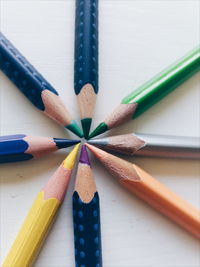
[
  {"x": 86, "y": 216},
  {"x": 34, "y": 86},
  {"x": 86, "y": 60}
]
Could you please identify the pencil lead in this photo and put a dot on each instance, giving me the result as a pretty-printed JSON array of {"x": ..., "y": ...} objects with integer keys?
[
  {"x": 86, "y": 123},
  {"x": 71, "y": 158},
  {"x": 101, "y": 128},
  {"x": 84, "y": 158},
  {"x": 63, "y": 143},
  {"x": 73, "y": 126}
]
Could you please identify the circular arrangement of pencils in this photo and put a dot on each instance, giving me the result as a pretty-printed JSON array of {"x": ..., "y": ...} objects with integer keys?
[{"x": 85, "y": 197}]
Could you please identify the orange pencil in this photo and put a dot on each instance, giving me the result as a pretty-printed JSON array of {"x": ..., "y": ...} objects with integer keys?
[{"x": 150, "y": 190}]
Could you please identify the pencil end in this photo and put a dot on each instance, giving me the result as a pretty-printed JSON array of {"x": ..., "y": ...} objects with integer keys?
[
  {"x": 96, "y": 151},
  {"x": 73, "y": 127},
  {"x": 84, "y": 158},
  {"x": 63, "y": 143},
  {"x": 86, "y": 123},
  {"x": 71, "y": 158},
  {"x": 101, "y": 128}
]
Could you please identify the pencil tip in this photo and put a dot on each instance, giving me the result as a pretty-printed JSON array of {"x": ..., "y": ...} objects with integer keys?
[
  {"x": 86, "y": 123},
  {"x": 101, "y": 128},
  {"x": 96, "y": 151},
  {"x": 98, "y": 142},
  {"x": 84, "y": 157},
  {"x": 71, "y": 158},
  {"x": 63, "y": 143},
  {"x": 73, "y": 127}
]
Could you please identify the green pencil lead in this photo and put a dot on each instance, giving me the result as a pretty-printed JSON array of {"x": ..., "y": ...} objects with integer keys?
[
  {"x": 101, "y": 128},
  {"x": 86, "y": 123},
  {"x": 73, "y": 127}
]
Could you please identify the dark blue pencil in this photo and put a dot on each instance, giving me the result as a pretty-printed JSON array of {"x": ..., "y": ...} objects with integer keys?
[
  {"x": 86, "y": 216},
  {"x": 22, "y": 147},
  {"x": 34, "y": 86},
  {"x": 86, "y": 60}
]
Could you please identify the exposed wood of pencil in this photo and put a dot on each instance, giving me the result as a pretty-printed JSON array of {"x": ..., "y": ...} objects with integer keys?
[
  {"x": 151, "y": 145},
  {"x": 40, "y": 217},
  {"x": 150, "y": 190},
  {"x": 20, "y": 147},
  {"x": 86, "y": 101},
  {"x": 126, "y": 144},
  {"x": 85, "y": 185}
]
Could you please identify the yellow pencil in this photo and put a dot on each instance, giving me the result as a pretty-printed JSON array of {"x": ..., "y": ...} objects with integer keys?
[{"x": 38, "y": 221}]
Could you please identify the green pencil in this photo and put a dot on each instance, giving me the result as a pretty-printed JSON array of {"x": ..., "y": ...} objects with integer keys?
[{"x": 151, "y": 92}]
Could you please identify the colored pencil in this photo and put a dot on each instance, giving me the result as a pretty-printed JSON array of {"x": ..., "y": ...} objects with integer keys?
[
  {"x": 151, "y": 145},
  {"x": 40, "y": 217},
  {"x": 86, "y": 216},
  {"x": 34, "y": 86},
  {"x": 151, "y": 92},
  {"x": 138, "y": 182},
  {"x": 86, "y": 60},
  {"x": 22, "y": 147}
]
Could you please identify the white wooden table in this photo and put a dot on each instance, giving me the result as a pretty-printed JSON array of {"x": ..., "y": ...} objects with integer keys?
[{"x": 137, "y": 40}]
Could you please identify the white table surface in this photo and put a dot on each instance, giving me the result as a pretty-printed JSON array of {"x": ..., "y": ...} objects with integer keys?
[{"x": 137, "y": 40}]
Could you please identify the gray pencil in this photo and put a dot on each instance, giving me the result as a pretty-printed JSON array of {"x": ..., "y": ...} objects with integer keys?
[{"x": 151, "y": 145}]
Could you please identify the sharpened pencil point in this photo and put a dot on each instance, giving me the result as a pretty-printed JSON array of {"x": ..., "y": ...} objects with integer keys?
[
  {"x": 84, "y": 158},
  {"x": 96, "y": 151},
  {"x": 86, "y": 123},
  {"x": 62, "y": 143},
  {"x": 101, "y": 128},
  {"x": 71, "y": 158},
  {"x": 73, "y": 127}
]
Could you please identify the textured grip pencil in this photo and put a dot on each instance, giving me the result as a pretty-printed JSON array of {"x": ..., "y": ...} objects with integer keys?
[
  {"x": 86, "y": 59},
  {"x": 34, "y": 86},
  {"x": 86, "y": 216}
]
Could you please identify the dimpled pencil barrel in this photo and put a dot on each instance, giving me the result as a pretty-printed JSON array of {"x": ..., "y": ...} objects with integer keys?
[
  {"x": 86, "y": 60},
  {"x": 151, "y": 92},
  {"x": 34, "y": 86},
  {"x": 86, "y": 216}
]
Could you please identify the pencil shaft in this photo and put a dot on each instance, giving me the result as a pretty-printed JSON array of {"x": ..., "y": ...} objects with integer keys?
[
  {"x": 164, "y": 82},
  {"x": 151, "y": 145},
  {"x": 32, "y": 233},
  {"x": 28, "y": 80},
  {"x": 21, "y": 147},
  {"x": 86, "y": 59},
  {"x": 41, "y": 215},
  {"x": 169, "y": 146},
  {"x": 151, "y": 92},
  {"x": 151, "y": 191},
  {"x": 164, "y": 200},
  {"x": 86, "y": 215},
  {"x": 87, "y": 235},
  {"x": 33, "y": 85}
]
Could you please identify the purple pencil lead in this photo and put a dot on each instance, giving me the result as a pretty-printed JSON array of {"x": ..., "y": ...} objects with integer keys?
[{"x": 84, "y": 158}]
